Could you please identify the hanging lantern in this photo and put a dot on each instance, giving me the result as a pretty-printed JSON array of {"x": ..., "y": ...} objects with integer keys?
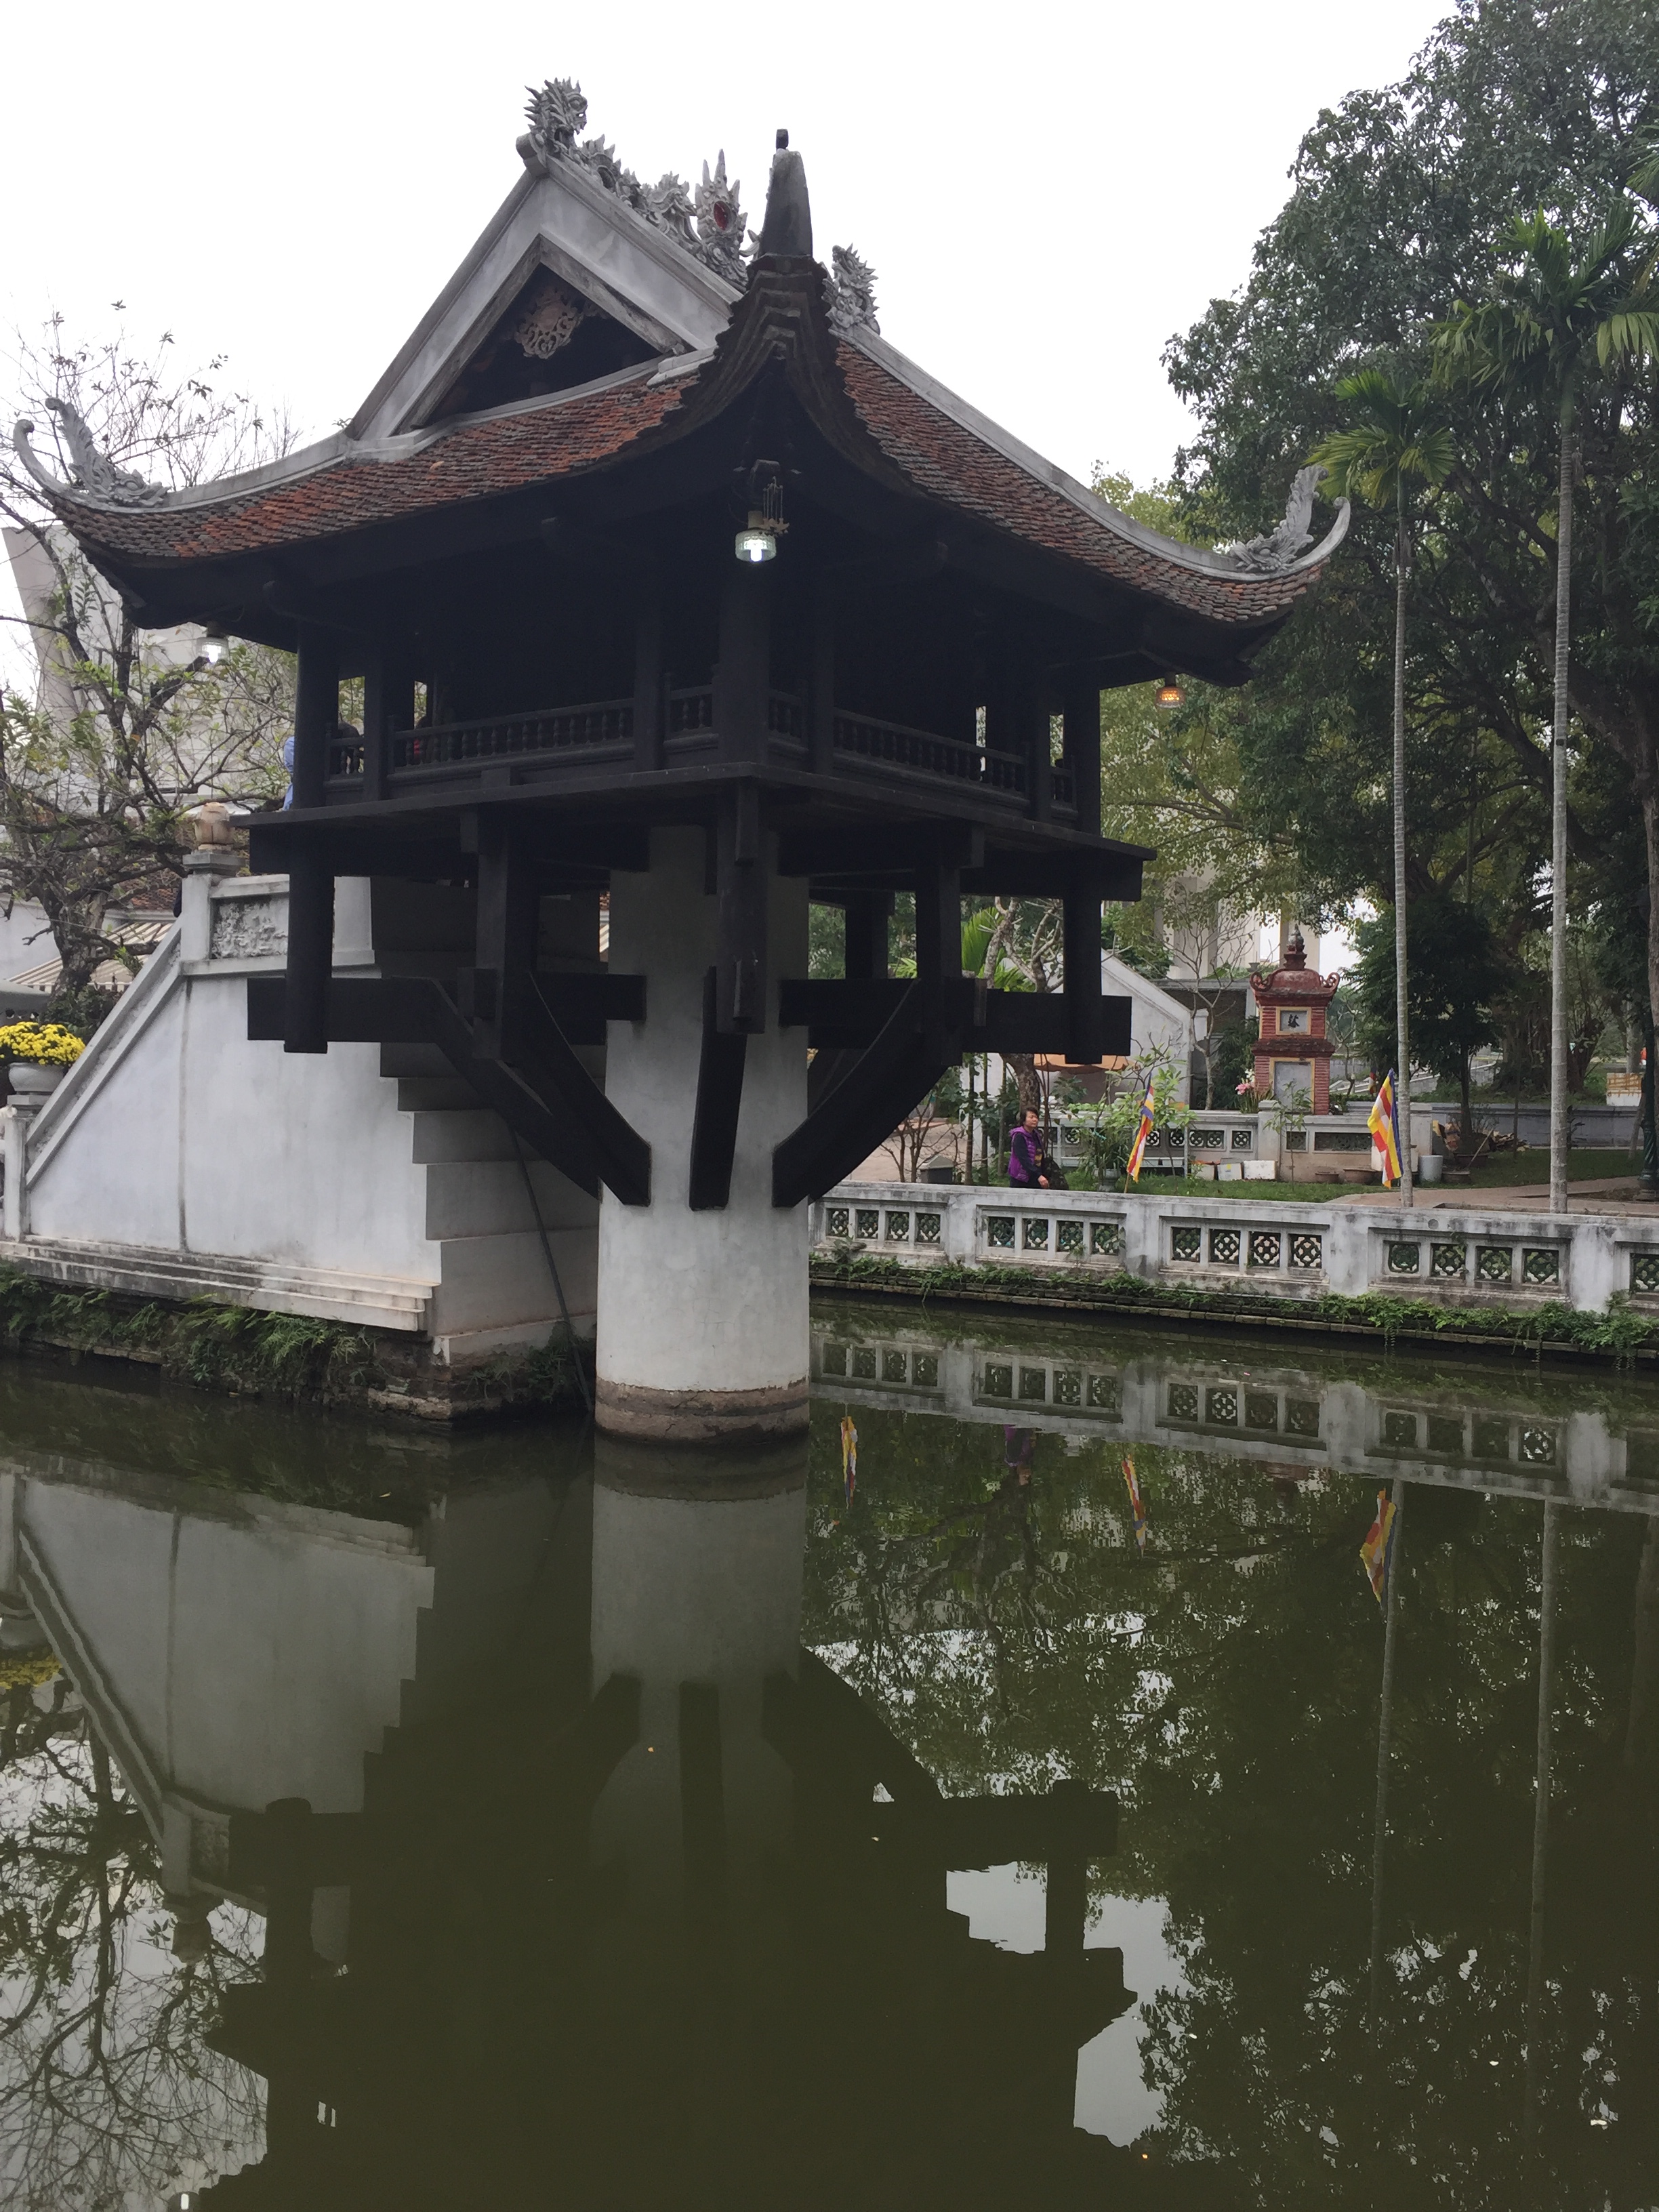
[
  {"x": 758, "y": 540},
  {"x": 1170, "y": 693}
]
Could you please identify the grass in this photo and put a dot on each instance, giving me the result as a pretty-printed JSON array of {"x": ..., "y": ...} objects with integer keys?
[
  {"x": 1619, "y": 1334},
  {"x": 237, "y": 1350},
  {"x": 1528, "y": 1168}
]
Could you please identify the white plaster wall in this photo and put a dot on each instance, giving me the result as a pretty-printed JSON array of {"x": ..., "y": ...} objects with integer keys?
[
  {"x": 206, "y": 1143},
  {"x": 715, "y": 1300},
  {"x": 250, "y": 1662}
]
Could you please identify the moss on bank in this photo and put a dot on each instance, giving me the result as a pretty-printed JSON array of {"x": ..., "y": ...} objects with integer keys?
[
  {"x": 239, "y": 1352},
  {"x": 1619, "y": 1334}
]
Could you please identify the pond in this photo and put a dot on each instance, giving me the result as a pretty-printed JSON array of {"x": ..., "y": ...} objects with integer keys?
[{"x": 1018, "y": 1792}]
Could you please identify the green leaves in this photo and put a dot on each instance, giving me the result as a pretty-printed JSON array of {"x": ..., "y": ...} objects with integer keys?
[{"x": 1398, "y": 435}]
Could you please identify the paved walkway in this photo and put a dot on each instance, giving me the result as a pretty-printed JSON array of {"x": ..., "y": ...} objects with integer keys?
[{"x": 1602, "y": 1194}]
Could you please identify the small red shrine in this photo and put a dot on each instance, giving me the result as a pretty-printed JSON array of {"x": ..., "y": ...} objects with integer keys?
[{"x": 1293, "y": 1003}]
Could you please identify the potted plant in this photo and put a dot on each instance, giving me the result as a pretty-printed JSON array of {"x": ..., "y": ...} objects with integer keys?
[{"x": 37, "y": 1054}]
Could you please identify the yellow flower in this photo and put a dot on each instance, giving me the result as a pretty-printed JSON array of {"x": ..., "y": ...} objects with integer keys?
[{"x": 45, "y": 1044}]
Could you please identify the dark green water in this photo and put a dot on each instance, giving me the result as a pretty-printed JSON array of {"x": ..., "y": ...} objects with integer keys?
[{"x": 685, "y": 1833}]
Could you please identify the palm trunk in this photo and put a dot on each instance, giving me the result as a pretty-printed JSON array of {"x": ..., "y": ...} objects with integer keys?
[
  {"x": 1558, "y": 1117},
  {"x": 1402, "y": 1080}
]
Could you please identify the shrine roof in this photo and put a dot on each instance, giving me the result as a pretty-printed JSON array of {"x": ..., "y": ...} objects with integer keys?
[{"x": 581, "y": 256}]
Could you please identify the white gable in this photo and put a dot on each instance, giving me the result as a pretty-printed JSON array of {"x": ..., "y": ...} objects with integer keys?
[{"x": 566, "y": 222}]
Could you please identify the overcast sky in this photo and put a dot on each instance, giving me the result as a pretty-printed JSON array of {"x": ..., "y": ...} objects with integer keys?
[{"x": 1046, "y": 192}]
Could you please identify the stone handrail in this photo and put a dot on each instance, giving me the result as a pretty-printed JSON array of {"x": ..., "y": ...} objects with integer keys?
[{"x": 1467, "y": 1256}]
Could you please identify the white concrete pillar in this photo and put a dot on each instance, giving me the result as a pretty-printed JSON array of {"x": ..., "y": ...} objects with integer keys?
[{"x": 702, "y": 1317}]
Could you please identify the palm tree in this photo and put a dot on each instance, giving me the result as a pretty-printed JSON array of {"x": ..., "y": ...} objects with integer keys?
[
  {"x": 1555, "y": 318},
  {"x": 1395, "y": 441}
]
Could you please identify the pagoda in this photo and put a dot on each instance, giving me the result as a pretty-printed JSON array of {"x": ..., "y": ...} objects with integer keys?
[
  {"x": 666, "y": 577},
  {"x": 1293, "y": 1046}
]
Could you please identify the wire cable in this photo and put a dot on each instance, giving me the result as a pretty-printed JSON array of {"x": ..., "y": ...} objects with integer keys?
[{"x": 552, "y": 1268}]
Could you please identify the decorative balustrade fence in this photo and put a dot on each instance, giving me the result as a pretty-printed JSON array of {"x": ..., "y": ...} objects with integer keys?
[{"x": 1461, "y": 1257}]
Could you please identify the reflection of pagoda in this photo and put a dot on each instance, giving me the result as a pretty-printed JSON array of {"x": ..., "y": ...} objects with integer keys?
[
  {"x": 1293, "y": 1052},
  {"x": 639, "y": 1904}
]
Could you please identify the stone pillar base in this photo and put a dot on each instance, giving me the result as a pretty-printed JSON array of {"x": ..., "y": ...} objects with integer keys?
[{"x": 628, "y": 1409}]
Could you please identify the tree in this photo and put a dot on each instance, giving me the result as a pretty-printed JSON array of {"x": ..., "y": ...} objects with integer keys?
[
  {"x": 1394, "y": 440},
  {"x": 1402, "y": 200},
  {"x": 1558, "y": 314},
  {"x": 113, "y": 733},
  {"x": 1456, "y": 977}
]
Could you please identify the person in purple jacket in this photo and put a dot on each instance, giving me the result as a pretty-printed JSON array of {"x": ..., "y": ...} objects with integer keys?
[{"x": 1028, "y": 1162}]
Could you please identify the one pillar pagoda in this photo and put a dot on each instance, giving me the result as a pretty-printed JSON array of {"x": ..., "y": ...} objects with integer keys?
[{"x": 667, "y": 578}]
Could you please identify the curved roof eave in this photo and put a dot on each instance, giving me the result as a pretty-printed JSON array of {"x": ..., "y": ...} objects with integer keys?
[{"x": 1200, "y": 559}]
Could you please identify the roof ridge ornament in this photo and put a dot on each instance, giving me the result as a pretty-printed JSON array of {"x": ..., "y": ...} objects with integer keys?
[
  {"x": 849, "y": 293},
  {"x": 1278, "y": 549},
  {"x": 96, "y": 477},
  {"x": 708, "y": 220}
]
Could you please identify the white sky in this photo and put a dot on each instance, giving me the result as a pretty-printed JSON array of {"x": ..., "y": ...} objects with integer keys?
[{"x": 1046, "y": 192}]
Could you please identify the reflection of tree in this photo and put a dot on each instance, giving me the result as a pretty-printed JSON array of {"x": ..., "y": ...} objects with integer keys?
[
  {"x": 107, "y": 2094},
  {"x": 1226, "y": 1688}
]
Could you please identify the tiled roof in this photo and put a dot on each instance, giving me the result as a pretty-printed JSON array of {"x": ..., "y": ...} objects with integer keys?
[
  {"x": 950, "y": 463},
  {"x": 474, "y": 460},
  {"x": 941, "y": 457}
]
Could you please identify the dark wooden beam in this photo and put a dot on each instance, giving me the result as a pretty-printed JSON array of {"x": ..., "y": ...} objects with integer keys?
[
  {"x": 1081, "y": 697},
  {"x": 719, "y": 1098},
  {"x": 741, "y": 927},
  {"x": 650, "y": 697},
  {"x": 840, "y": 1015},
  {"x": 743, "y": 671},
  {"x": 508, "y": 914},
  {"x": 867, "y": 916},
  {"x": 1085, "y": 1023},
  {"x": 821, "y": 687},
  {"x": 316, "y": 711},
  {"x": 873, "y": 845},
  {"x": 544, "y": 1092},
  {"x": 310, "y": 950},
  {"x": 908, "y": 1057}
]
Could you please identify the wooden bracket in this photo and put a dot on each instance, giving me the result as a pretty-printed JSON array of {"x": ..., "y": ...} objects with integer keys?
[
  {"x": 915, "y": 1045},
  {"x": 719, "y": 1098},
  {"x": 545, "y": 1093},
  {"x": 741, "y": 917}
]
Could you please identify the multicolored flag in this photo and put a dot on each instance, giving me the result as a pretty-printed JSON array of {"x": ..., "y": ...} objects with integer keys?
[
  {"x": 1137, "y": 1504},
  {"x": 1384, "y": 1122},
  {"x": 849, "y": 1455},
  {"x": 1137, "y": 1150},
  {"x": 1376, "y": 1553}
]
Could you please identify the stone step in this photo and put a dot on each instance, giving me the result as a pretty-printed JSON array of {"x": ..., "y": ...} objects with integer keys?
[
  {"x": 435, "y": 1094},
  {"x": 413, "y": 1060},
  {"x": 455, "y": 1133},
  {"x": 483, "y": 1198},
  {"x": 398, "y": 1302}
]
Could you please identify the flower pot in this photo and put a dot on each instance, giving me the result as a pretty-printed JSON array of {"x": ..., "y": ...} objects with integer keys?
[{"x": 28, "y": 1080}]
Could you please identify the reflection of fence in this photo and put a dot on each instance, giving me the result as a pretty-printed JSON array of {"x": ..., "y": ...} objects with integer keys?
[
  {"x": 1455, "y": 1257},
  {"x": 1296, "y": 1424}
]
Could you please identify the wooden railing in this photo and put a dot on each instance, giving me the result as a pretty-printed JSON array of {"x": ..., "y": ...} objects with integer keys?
[
  {"x": 892, "y": 745},
  {"x": 510, "y": 737},
  {"x": 861, "y": 741}
]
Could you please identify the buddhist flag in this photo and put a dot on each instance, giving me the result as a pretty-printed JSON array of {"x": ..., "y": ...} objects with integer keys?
[
  {"x": 849, "y": 1455},
  {"x": 1137, "y": 1504},
  {"x": 1137, "y": 1150},
  {"x": 1384, "y": 1122},
  {"x": 1376, "y": 1553}
]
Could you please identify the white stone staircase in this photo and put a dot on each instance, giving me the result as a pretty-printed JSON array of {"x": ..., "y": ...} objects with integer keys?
[{"x": 494, "y": 1291}]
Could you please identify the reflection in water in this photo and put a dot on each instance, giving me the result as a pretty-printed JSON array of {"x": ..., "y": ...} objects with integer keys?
[{"x": 397, "y": 1821}]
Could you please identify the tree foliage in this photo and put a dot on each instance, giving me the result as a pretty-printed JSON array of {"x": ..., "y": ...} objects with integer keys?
[
  {"x": 110, "y": 734},
  {"x": 1403, "y": 203}
]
